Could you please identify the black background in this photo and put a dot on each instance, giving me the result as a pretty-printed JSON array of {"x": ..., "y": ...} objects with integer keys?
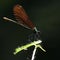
[{"x": 45, "y": 14}]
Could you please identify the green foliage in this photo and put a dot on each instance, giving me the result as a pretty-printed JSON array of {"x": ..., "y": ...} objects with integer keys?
[{"x": 35, "y": 43}]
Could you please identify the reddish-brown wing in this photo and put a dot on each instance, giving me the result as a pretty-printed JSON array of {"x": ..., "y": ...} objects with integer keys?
[{"x": 22, "y": 17}]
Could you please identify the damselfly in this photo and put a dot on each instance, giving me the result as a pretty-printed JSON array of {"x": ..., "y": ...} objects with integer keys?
[{"x": 23, "y": 20}]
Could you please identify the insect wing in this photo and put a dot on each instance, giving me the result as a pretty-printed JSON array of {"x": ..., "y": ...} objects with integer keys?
[{"x": 22, "y": 17}]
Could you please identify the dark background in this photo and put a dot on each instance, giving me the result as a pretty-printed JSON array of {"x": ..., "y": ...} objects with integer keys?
[{"x": 45, "y": 14}]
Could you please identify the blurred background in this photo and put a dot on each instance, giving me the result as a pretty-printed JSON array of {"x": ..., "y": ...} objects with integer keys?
[{"x": 45, "y": 14}]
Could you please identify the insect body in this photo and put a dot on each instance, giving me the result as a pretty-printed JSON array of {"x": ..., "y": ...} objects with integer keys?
[{"x": 23, "y": 19}]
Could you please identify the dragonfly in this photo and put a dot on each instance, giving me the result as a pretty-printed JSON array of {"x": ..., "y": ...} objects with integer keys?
[{"x": 23, "y": 20}]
